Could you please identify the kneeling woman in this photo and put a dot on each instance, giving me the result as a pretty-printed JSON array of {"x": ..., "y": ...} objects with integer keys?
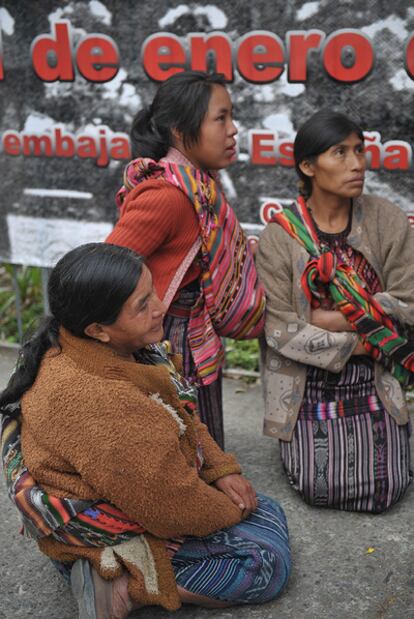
[
  {"x": 339, "y": 277},
  {"x": 115, "y": 475}
]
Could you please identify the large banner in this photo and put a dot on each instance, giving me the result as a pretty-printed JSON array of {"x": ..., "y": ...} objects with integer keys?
[{"x": 73, "y": 74}]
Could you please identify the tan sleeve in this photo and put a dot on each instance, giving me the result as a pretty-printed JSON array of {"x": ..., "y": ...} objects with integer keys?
[
  {"x": 288, "y": 333},
  {"x": 397, "y": 253},
  {"x": 127, "y": 449}
]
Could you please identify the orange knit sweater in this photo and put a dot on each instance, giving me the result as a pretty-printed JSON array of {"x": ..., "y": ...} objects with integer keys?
[{"x": 159, "y": 222}]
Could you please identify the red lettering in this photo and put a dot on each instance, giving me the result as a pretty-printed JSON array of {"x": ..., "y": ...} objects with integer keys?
[
  {"x": 299, "y": 45},
  {"x": 220, "y": 44},
  {"x": 373, "y": 149},
  {"x": 260, "y": 57},
  {"x": 397, "y": 155},
  {"x": 64, "y": 144},
  {"x": 162, "y": 56},
  {"x": 347, "y": 55},
  {"x": 409, "y": 57},
  {"x": 102, "y": 160},
  {"x": 373, "y": 156},
  {"x": 87, "y": 147},
  {"x": 120, "y": 147},
  {"x": 261, "y": 143},
  {"x": 358, "y": 45},
  {"x": 286, "y": 149},
  {"x": 58, "y": 45},
  {"x": 97, "y": 58},
  {"x": 37, "y": 145},
  {"x": 268, "y": 210},
  {"x": 11, "y": 143}
]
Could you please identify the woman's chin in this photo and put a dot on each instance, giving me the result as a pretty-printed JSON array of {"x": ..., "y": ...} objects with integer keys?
[
  {"x": 155, "y": 335},
  {"x": 356, "y": 191}
]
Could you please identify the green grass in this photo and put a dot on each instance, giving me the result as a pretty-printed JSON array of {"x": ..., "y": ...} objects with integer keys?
[
  {"x": 30, "y": 286},
  {"x": 242, "y": 354}
]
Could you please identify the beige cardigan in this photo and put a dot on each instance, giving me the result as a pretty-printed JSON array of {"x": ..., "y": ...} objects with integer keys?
[{"x": 382, "y": 233}]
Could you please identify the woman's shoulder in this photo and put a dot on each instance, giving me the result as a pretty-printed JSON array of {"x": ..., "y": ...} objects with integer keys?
[
  {"x": 275, "y": 234},
  {"x": 67, "y": 391},
  {"x": 156, "y": 189},
  {"x": 69, "y": 375},
  {"x": 383, "y": 210},
  {"x": 378, "y": 203},
  {"x": 159, "y": 197}
]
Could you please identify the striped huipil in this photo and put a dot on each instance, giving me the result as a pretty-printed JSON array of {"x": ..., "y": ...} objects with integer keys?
[{"x": 347, "y": 452}]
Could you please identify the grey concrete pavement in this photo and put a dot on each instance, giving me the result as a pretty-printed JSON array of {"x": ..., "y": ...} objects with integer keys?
[{"x": 345, "y": 566}]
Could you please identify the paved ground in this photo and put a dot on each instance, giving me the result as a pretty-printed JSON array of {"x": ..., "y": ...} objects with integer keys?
[{"x": 334, "y": 574}]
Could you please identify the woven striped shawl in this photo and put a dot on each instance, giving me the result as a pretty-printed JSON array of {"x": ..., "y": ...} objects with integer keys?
[
  {"x": 376, "y": 330},
  {"x": 232, "y": 299}
]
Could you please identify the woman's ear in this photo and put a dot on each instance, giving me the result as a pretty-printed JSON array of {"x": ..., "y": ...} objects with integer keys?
[
  {"x": 177, "y": 137},
  {"x": 306, "y": 167},
  {"x": 97, "y": 332}
]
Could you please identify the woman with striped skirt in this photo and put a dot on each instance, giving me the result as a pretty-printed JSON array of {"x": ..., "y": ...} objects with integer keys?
[
  {"x": 109, "y": 465},
  {"x": 173, "y": 212},
  {"x": 339, "y": 278}
]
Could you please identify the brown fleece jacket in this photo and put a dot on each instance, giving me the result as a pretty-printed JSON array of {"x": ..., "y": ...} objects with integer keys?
[{"x": 99, "y": 426}]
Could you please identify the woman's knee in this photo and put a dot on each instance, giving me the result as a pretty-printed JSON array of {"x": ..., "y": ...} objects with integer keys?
[
  {"x": 266, "y": 572},
  {"x": 282, "y": 566},
  {"x": 272, "y": 558}
]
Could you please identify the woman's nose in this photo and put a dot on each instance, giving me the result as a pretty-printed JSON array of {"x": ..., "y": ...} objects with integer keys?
[
  {"x": 233, "y": 128},
  {"x": 358, "y": 161},
  {"x": 159, "y": 307}
]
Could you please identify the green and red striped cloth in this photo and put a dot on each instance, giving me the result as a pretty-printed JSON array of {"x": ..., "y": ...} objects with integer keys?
[{"x": 376, "y": 330}]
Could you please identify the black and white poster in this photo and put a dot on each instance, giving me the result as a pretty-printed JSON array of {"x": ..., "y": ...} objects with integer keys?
[{"x": 73, "y": 74}]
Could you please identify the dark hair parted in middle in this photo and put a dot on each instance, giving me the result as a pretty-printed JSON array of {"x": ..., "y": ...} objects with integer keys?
[
  {"x": 180, "y": 103},
  {"x": 89, "y": 284},
  {"x": 321, "y": 131}
]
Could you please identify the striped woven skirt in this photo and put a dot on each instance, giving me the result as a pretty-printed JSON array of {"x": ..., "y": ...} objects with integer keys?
[
  {"x": 347, "y": 452},
  {"x": 210, "y": 398},
  {"x": 248, "y": 563}
]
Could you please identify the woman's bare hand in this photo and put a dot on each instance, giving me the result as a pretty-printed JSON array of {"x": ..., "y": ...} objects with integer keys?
[
  {"x": 253, "y": 242},
  {"x": 240, "y": 491},
  {"x": 359, "y": 349},
  {"x": 330, "y": 320}
]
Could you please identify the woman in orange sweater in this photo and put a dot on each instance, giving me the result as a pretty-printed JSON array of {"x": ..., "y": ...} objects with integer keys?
[
  {"x": 112, "y": 471},
  {"x": 174, "y": 213}
]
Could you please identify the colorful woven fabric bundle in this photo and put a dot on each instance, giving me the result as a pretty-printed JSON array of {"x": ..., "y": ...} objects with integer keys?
[
  {"x": 71, "y": 521},
  {"x": 232, "y": 300},
  {"x": 375, "y": 328}
]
